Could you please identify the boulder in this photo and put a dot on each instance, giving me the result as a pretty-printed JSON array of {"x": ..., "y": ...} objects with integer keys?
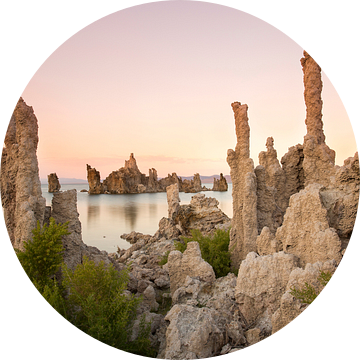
[
  {"x": 190, "y": 263},
  {"x": 261, "y": 282},
  {"x": 305, "y": 231}
]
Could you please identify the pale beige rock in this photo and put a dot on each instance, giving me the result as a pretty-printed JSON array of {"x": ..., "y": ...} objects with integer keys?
[
  {"x": 290, "y": 307},
  {"x": 190, "y": 263},
  {"x": 319, "y": 159},
  {"x": 53, "y": 183},
  {"x": 64, "y": 209},
  {"x": 253, "y": 336},
  {"x": 243, "y": 233},
  {"x": 275, "y": 175},
  {"x": 305, "y": 231},
  {"x": 193, "y": 333},
  {"x": 202, "y": 213},
  {"x": 261, "y": 282},
  {"x": 173, "y": 199},
  {"x": 266, "y": 243},
  {"x": 21, "y": 195}
]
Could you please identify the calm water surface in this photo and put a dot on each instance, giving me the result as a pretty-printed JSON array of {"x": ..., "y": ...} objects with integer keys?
[{"x": 105, "y": 217}]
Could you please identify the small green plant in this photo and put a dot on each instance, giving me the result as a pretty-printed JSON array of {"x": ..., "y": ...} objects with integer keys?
[
  {"x": 42, "y": 256},
  {"x": 308, "y": 293},
  {"x": 214, "y": 249},
  {"x": 100, "y": 306},
  {"x": 164, "y": 258}
]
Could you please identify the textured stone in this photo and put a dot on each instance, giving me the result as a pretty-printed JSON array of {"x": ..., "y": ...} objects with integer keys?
[
  {"x": 53, "y": 183},
  {"x": 261, "y": 282},
  {"x": 290, "y": 307},
  {"x": 266, "y": 243},
  {"x": 93, "y": 177},
  {"x": 202, "y": 213},
  {"x": 173, "y": 199},
  {"x": 305, "y": 231},
  {"x": 242, "y": 234},
  {"x": 220, "y": 184},
  {"x": 21, "y": 195},
  {"x": 190, "y": 263},
  {"x": 319, "y": 159}
]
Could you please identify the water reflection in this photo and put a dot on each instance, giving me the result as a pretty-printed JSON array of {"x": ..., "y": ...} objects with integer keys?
[{"x": 105, "y": 217}]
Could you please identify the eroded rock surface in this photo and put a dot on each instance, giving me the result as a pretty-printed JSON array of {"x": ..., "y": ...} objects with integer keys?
[
  {"x": 53, "y": 183},
  {"x": 220, "y": 184},
  {"x": 243, "y": 233},
  {"x": 21, "y": 195}
]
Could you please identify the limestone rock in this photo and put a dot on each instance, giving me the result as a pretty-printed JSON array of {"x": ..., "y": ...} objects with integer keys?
[
  {"x": 243, "y": 233},
  {"x": 93, "y": 177},
  {"x": 266, "y": 243},
  {"x": 202, "y": 214},
  {"x": 21, "y": 195},
  {"x": 192, "y": 333},
  {"x": 290, "y": 307},
  {"x": 64, "y": 209},
  {"x": 319, "y": 159},
  {"x": 220, "y": 184},
  {"x": 53, "y": 183},
  {"x": 190, "y": 263},
  {"x": 261, "y": 282},
  {"x": 292, "y": 164},
  {"x": 305, "y": 231},
  {"x": 173, "y": 199}
]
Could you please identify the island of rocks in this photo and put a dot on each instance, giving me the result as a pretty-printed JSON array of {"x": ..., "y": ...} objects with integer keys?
[
  {"x": 290, "y": 221},
  {"x": 129, "y": 180}
]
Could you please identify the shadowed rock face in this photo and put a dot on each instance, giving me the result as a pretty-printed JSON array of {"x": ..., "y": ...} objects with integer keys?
[
  {"x": 53, "y": 183},
  {"x": 21, "y": 195},
  {"x": 220, "y": 184}
]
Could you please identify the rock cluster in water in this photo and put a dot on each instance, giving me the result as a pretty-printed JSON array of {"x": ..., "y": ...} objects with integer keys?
[
  {"x": 53, "y": 183},
  {"x": 129, "y": 180}
]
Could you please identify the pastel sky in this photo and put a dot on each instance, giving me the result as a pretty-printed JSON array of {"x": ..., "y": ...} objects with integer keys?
[{"x": 158, "y": 80}]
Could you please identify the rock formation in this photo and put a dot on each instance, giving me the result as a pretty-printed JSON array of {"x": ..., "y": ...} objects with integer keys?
[
  {"x": 188, "y": 264},
  {"x": 319, "y": 159},
  {"x": 93, "y": 177},
  {"x": 243, "y": 233},
  {"x": 220, "y": 184},
  {"x": 129, "y": 180},
  {"x": 261, "y": 282},
  {"x": 276, "y": 186},
  {"x": 173, "y": 199},
  {"x": 21, "y": 195},
  {"x": 53, "y": 183}
]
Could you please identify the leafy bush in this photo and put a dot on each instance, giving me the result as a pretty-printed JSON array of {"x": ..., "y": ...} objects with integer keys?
[
  {"x": 42, "y": 256},
  {"x": 100, "y": 306},
  {"x": 92, "y": 297},
  {"x": 214, "y": 249},
  {"x": 308, "y": 293}
]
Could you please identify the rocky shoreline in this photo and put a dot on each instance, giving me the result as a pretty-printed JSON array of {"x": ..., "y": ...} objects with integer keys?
[{"x": 290, "y": 222}]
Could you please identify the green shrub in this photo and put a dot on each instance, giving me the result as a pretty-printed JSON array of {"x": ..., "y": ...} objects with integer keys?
[
  {"x": 100, "y": 307},
  {"x": 92, "y": 297},
  {"x": 42, "y": 256},
  {"x": 214, "y": 249},
  {"x": 308, "y": 293},
  {"x": 164, "y": 258}
]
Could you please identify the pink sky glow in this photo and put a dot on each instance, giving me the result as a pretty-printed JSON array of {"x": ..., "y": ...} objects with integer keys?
[{"x": 158, "y": 81}]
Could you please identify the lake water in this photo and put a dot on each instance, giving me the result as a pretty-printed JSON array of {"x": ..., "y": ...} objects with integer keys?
[{"x": 105, "y": 217}]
